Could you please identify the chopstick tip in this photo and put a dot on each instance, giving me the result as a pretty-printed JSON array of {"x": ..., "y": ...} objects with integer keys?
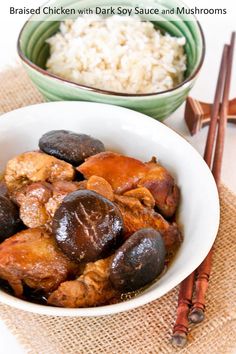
[
  {"x": 196, "y": 315},
  {"x": 179, "y": 339},
  {"x": 233, "y": 34}
]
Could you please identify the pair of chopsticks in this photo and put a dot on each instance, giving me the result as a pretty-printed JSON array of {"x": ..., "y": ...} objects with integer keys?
[{"x": 191, "y": 310}]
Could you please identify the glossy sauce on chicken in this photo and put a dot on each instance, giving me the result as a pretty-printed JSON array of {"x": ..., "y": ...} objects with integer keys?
[{"x": 86, "y": 243}]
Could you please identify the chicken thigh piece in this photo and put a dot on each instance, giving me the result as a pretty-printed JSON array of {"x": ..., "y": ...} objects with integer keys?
[
  {"x": 35, "y": 166},
  {"x": 60, "y": 190},
  {"x": 125, "y": 173},
  {"x": 143, "y": 195},
  {"x": 122, "y": 172},
  {"x": 32, "y": 257},
  {"x": 39, "y": 201},
  {"x": 31, "y": 200},
  {"x": 101, "y": 186},
  {"x": 163, "y": 188},
  {"x": 92, "y": 288}
]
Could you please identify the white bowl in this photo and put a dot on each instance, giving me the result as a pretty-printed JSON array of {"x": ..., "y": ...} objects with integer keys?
[{"x": 139, "y": 136}]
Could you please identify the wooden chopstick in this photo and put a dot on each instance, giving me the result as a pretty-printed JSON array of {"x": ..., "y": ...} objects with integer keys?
[
  {"x": 180, "y": 330},
  {"x": 217, "y": 164},
  {"x": 215, "y": 109},
  {"x": 203, "y": 272}
]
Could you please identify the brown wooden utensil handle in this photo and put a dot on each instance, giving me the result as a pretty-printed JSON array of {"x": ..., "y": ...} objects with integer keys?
[
  {"x": 180, "y": 329},
  {"x": 196, "y": 314},
  {"x": 219, "y": 114}
]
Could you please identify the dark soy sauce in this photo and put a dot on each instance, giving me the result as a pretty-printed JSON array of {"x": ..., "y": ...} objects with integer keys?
[{"x": 37, "y": 297}]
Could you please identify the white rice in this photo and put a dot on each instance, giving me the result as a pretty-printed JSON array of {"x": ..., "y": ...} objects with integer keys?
[{"x": 120, "y": 54}]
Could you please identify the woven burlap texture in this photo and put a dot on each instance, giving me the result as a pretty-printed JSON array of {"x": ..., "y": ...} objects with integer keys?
[
  {"x": 148, "y": 328},
  {"x": 16, "y": 90}
]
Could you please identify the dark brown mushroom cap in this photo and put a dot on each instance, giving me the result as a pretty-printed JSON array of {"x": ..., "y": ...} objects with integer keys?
[
  {"x": 87, "y": 226},
  {"x": 9, "y": 218},
  {"x": 138, "y": 261},
  {"x": 69, "y": 146}
]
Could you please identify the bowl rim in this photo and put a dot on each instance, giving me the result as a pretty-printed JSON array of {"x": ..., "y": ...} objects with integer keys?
[
  {"x": 107, "y": 92},
  {"x": 145, "y": 297}
]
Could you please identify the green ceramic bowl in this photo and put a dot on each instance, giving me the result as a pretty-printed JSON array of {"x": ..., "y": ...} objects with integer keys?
[{"x": 34, "y": 52}]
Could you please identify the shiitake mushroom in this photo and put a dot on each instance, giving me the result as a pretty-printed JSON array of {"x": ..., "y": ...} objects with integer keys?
[
  {"x": 9, "y": 218},
  {"x": 138, "y": 261},
  {"x": 69, "y": 146},
  {"x": 87, "y": 226}
]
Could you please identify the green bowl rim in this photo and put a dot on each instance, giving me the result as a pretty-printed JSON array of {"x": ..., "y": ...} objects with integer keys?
[{"x": 107, "y": 92}]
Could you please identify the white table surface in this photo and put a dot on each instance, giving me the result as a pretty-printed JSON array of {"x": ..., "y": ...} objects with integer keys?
[{"x": 217, "y": 32}]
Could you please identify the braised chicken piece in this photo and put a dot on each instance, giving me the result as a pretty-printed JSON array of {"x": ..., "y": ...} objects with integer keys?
[
  {"x": 31, "y": 200},
  {"x": 143, "y": 195},
  {"x": 126, "y": 173},
  {"x": 163, "y": 188},
  {"x": 122, "y": 210},
  {"x": 101, "y": 186},
  {"x": 36, "y": 166},
  {"x": 122, "y": 172},
  {"x": 39, "y": 201},
  {"x": 32, "y": 257},
  {"x": 60, "y": 190},
  {"x": 92, "y": 288},
  {"x": 137, "y": 216}
]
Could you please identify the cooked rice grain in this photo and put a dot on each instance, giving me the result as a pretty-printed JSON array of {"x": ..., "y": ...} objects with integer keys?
[{"x": 120, "y": 54}]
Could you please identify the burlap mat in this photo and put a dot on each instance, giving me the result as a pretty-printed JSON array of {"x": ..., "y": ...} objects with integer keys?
[{"x": 143, "y": 330}]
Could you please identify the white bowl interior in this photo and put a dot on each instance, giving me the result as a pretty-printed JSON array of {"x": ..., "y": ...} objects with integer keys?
[{"x": 137, "y": 135}]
